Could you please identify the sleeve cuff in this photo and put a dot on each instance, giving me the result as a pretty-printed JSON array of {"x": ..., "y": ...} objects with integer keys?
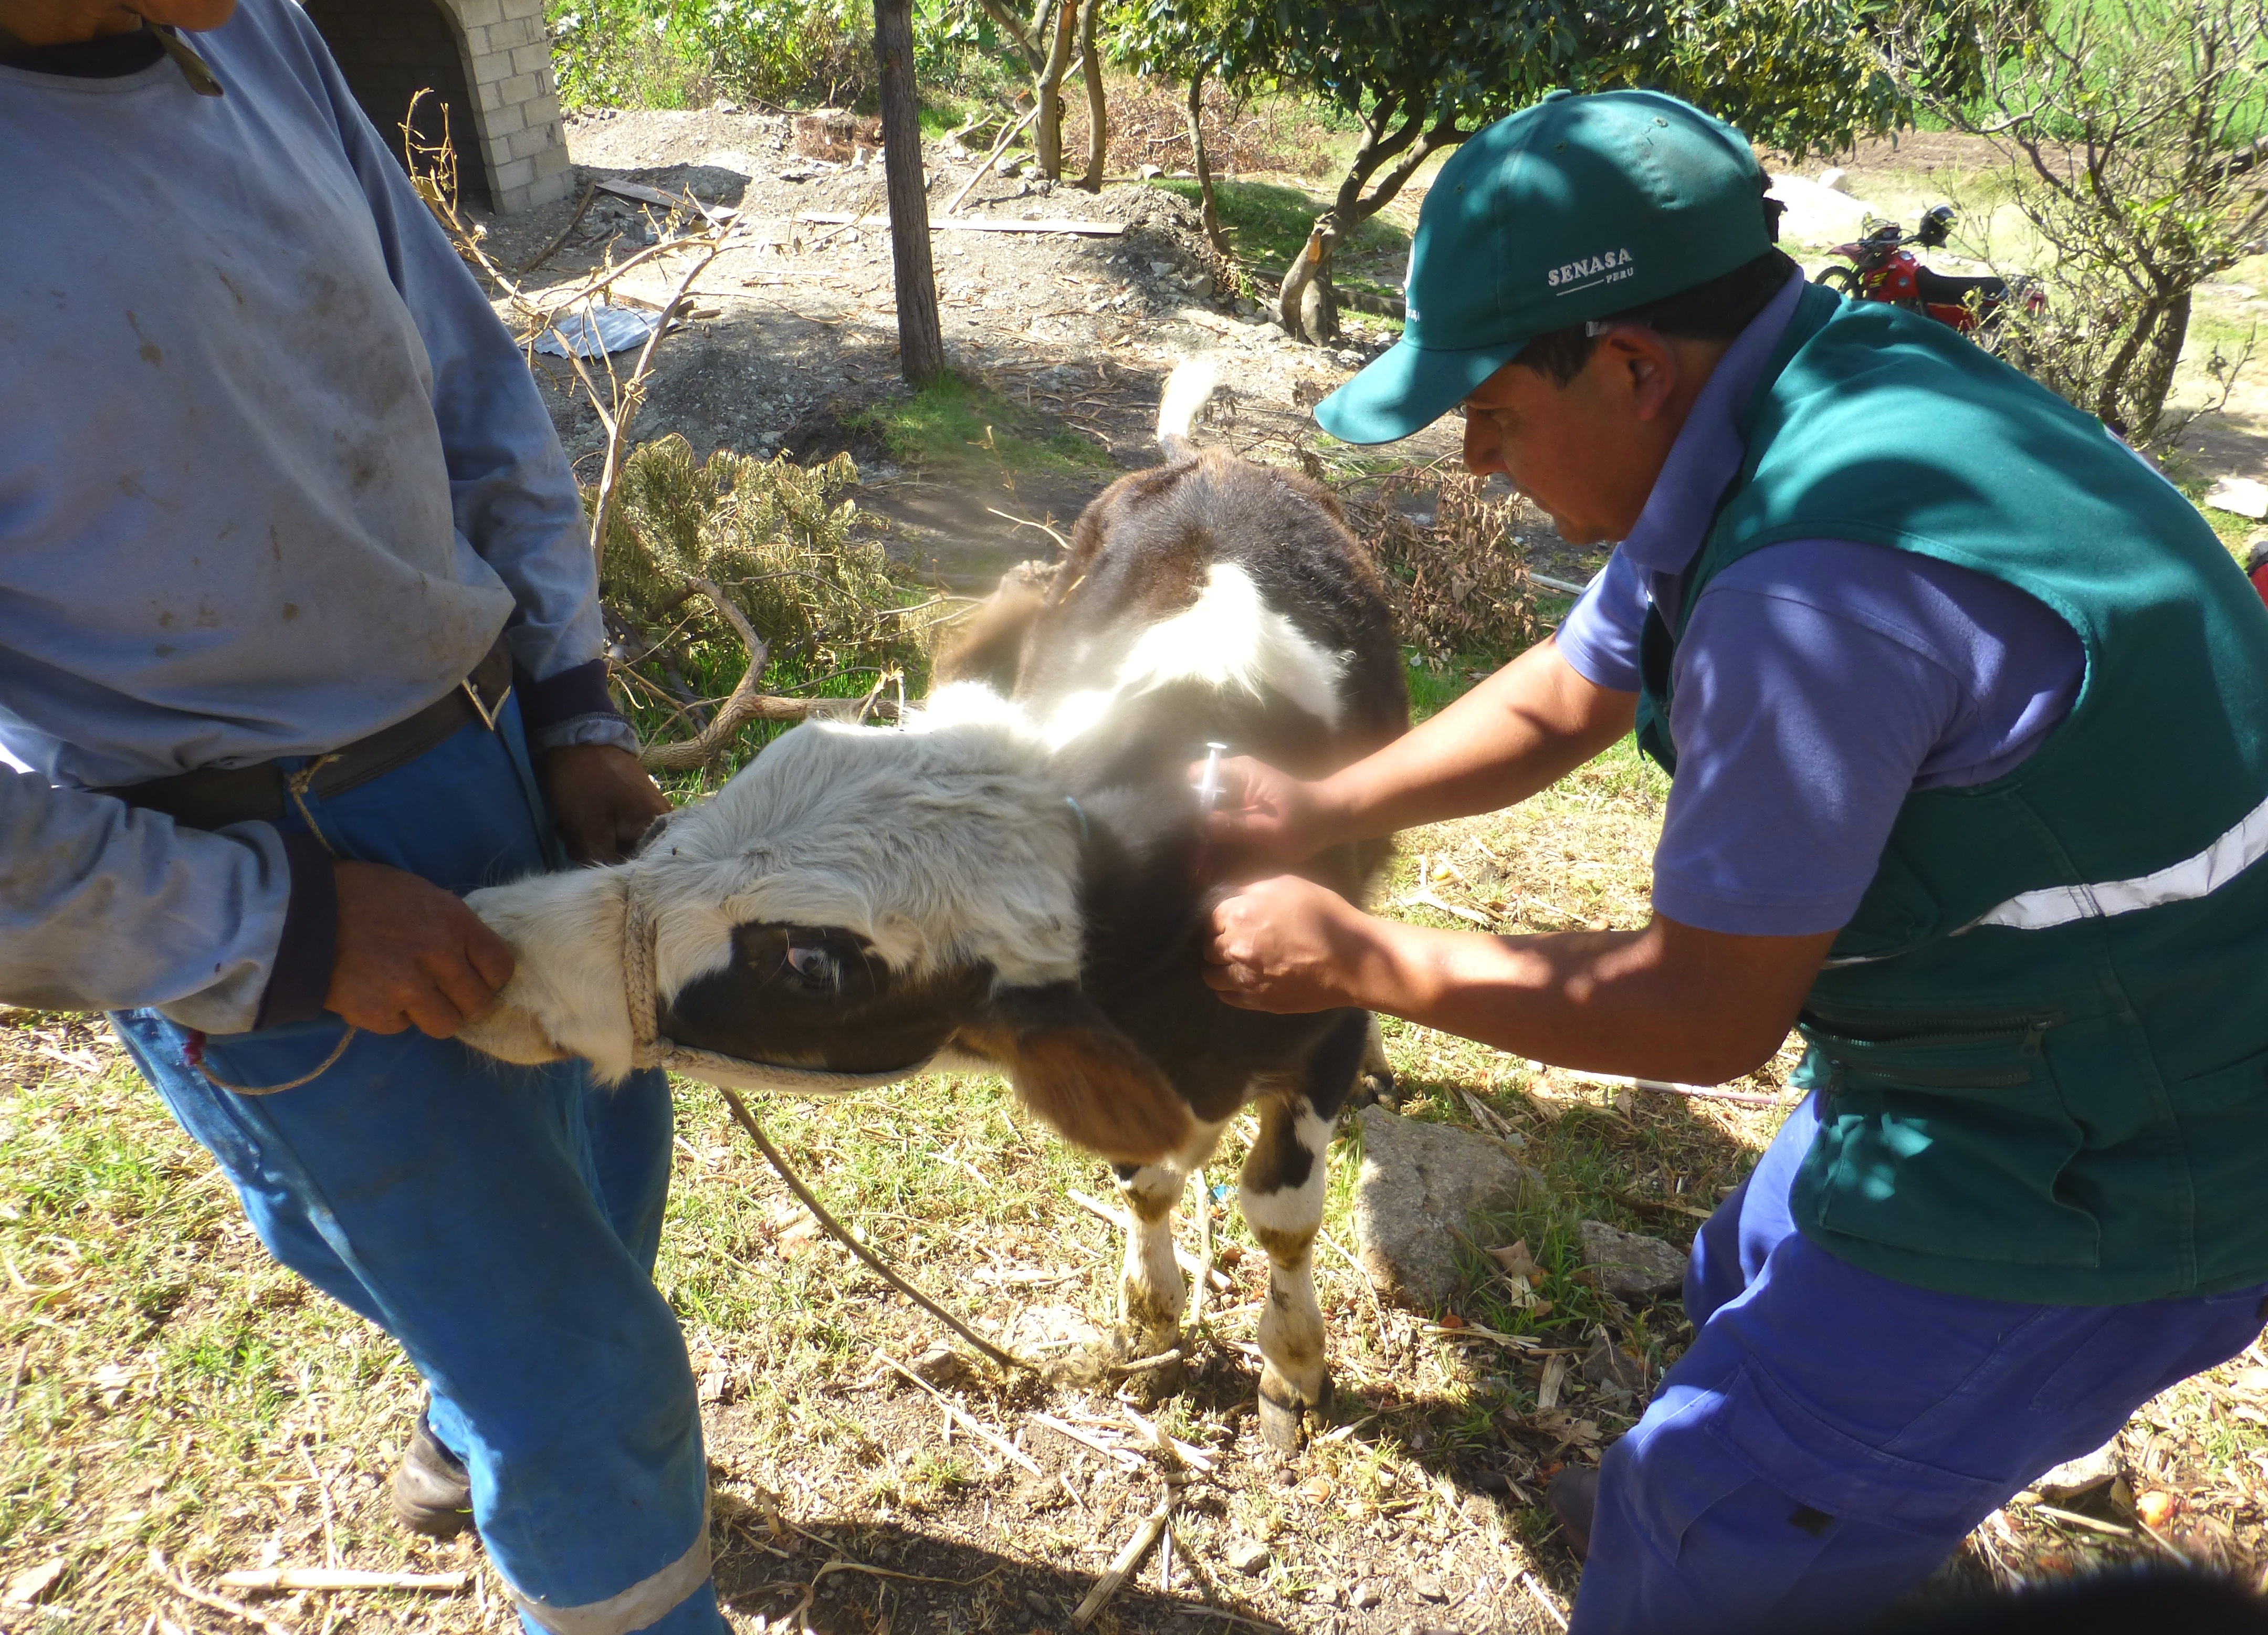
[
  {"x": 579, "y": 690},
  {"x": 609, "y": 729},
  {"x": 299, "y": 979}
]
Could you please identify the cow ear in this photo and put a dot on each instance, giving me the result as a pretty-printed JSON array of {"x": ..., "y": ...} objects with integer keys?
[{"x": 1080, "y": 1075}]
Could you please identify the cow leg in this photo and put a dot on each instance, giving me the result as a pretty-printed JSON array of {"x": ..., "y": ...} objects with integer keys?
[
  {"x": 1282, "y": 1197},
  {"x": 1375, "y": 1083},
  {"x": 1152, "y": 1294}
]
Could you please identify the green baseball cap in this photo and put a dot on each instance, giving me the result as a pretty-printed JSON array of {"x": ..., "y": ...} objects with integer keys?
[{"x": 1577, "y": 208}]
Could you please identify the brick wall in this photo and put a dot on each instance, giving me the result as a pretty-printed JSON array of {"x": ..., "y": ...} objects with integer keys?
[{"x": 489, "y": 60}]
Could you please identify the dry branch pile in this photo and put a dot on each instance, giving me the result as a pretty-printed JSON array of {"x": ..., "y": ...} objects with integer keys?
[{"x": 1460, "y": 584}]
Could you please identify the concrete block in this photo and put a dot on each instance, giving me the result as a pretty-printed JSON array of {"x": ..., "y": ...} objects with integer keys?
[
  {"x": 497, "y": 123},
  {"x": 520, "y": 88},
  {"x": 492, "y": 68},
  {"x": 473, "y": 14},
  {"x": 531, "y": 59},
  {"x": 513, "y": 173},
  {"x": 524, "y": 144},
  {"x": 517, "y": 31}
]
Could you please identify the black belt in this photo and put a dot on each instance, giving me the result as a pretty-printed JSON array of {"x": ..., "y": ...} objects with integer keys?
[{"x": 215, "y": 797}]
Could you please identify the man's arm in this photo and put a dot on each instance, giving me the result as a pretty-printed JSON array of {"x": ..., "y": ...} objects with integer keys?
[
  {"x": 516, "y": 502},
  {"x": 1672, "y": 1001},
  {"x": 1519, "y": 730}
]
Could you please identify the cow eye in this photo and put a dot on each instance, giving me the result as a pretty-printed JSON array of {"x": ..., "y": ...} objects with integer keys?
[{"x": 816, "y": 966}]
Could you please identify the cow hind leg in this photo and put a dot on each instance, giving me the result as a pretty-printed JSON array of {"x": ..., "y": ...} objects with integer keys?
[{"x": 1282, "y": 1197}]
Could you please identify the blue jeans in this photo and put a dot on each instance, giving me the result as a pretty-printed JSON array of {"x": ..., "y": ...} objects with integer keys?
[
  {"x": 1832, "y": 1436},
  {"x": 500, "y": 1222}
]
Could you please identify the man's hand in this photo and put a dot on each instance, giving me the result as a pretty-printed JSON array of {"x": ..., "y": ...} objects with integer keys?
[
  {"x": 410, "y": 955},
  {"x": 1271, "y": 814},
  {"x": 1289, "y": 945},
  {"x": 601, "y": 797}
]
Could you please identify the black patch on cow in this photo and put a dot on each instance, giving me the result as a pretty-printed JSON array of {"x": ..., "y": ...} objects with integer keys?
[{"x": 820, "y": 997}]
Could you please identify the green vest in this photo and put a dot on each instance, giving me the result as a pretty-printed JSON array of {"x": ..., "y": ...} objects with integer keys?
[{"x": 2043, "y": 1038}]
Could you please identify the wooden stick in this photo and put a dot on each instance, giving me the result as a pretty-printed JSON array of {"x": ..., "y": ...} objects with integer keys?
[
  {"x": 975, "y": 1428},
  {"x": 842, "y": 1235},
  {"x": 1699, "y": 1092},
  {"x": 1008, "y": 135},
  {"x": 1204, "y": 1245},
  {"x": 552, "y": 249},
  {"x": 1543, "y": 1599},
  {"x": 345, "y": 1578},
  {"x": 1116, "y": 1455},
  {"x": 1128, "y": 1557},
  {"x": 1060, "y": 224},
  {"x": 187, "y": 1591}
]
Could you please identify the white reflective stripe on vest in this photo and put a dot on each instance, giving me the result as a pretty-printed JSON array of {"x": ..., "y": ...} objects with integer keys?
[
  {"x": 2185, "y": 881},
  {"x": 643, "y": 1604}
]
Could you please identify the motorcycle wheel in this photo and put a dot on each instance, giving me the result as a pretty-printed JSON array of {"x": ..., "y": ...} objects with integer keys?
[{"x": 1842, "y": 280}]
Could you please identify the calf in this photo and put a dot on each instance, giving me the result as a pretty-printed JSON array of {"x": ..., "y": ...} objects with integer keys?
[{"x": 1019, "y": 876}]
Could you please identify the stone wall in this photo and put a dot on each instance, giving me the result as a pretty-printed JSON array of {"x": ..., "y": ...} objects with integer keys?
[{"x": 489, "y": 60}]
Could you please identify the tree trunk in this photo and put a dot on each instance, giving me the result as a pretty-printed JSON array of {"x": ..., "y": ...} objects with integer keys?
[
  {"x": 1098, "y": 123},
  {"x": 1211, "y": 216},
  {"x": 1047, "y": 129},
  {"x": 2152, "y": 376},
  {"x": 1308, "y": 305},
  {"x": 921, "y": 346}
]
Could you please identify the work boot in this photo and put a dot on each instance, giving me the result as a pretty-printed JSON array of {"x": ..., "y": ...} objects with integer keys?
[
  {"x": 1573, "y": 1496},
  {"x": 433, "y": 1494}
]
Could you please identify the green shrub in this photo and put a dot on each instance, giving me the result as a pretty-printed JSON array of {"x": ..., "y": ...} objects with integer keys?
[{"x": 687, "y": 53}]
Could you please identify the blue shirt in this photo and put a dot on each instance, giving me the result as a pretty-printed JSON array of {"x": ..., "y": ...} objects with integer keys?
[
  {"x": 272, "y": 477},
  {"x": 1818, "y": 683}
]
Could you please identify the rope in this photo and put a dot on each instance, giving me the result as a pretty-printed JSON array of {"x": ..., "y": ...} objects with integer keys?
[
  {"x": 649, "y": 1050},
  {"x": 842, "y": 1233},
  {"x": 195, "y": 1053}
]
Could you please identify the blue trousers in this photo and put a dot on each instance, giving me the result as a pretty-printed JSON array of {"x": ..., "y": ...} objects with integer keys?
[
  {"x": 500, "y": 1222},
  {"x": 1832, "y": 1436}
]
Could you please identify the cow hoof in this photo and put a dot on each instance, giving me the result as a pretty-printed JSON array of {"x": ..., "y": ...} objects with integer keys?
[
  {"x": 1148, "y": 1367},
  {"x": 1376, "y": 1089},
  {"x": 1283, "y": 1425}
]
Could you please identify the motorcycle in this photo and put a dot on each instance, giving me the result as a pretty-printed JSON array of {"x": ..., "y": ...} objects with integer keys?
[{"x": 1883, "y": 268}]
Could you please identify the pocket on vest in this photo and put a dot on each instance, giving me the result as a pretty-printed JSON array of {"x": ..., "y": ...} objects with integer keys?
[
  {"x": 1949, "y": 1139},
  {"x": 2223, "y": 1117}
]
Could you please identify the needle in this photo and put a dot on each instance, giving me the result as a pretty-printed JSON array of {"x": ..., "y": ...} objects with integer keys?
[{"x": 1209, "y": 786}]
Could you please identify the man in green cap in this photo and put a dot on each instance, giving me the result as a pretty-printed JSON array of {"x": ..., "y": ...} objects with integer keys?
[{"x": 1961, "y": 705}]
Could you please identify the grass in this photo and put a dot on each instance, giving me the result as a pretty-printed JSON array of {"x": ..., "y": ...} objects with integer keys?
[
  {"x": 956, "y": 426},
  {"x": 1268, "y": 223}
]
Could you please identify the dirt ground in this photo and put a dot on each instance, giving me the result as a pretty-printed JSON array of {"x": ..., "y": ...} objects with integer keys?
[
  {"x": 164, "y": 1388},
  {"x": 801, "y": 330}
]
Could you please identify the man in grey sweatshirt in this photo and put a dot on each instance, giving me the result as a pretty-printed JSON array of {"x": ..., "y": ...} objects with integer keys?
[{"x": 300, "y": 640}]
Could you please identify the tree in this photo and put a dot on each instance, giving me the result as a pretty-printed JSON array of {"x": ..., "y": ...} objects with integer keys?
[
  {"x": 2135, "y": 132},
  {"x": 1420, "y": 76},
  {"x": 1045, "y": 42},
  {"x": 921, "y": 344}
]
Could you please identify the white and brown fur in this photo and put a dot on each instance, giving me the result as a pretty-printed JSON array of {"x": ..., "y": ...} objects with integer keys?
[{"x": 1018, "y": 876}]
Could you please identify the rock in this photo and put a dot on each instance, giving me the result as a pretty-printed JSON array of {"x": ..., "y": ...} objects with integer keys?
[
  {"x": 1429, "y": 1587},
  {"x": 1628, "y": 1264},
  {"x": 1607, "y": 1364},
  {"x": 1248, "y": 1556},
  {"x": 2075, "y": 1478},
  {"x": 1367, "y": 1594},
  {"x": 946, "y": 1368},
  {"x": 1419, "y": 1187},
  {"x": 1150, "y": 171},
  {"x": 1833, "y": 176}
]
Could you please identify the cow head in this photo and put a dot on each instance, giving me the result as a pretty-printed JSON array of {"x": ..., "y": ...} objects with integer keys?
[{"x": 856, "y": 900}]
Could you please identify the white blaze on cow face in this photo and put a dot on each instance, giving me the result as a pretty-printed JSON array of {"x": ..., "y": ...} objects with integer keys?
[{"x": 1229, "y": 639}]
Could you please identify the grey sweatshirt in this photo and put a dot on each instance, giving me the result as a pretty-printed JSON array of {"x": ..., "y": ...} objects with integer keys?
[{"x": 272, "y": 477}]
